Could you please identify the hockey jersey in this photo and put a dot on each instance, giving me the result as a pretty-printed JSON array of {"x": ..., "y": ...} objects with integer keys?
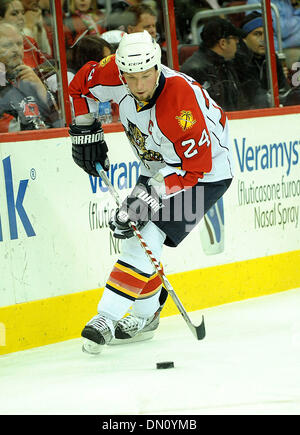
[{"x": 180, "y": 133}]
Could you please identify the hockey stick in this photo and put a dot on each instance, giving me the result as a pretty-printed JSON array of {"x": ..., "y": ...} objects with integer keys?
[{"x": 198, "y": 331}]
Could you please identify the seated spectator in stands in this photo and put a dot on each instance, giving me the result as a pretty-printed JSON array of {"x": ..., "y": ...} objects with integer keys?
[
  {"x": 211, "y": 65},
  {"x": 23, "y": 95},
  {"x": 34, "y": 25},
  {"x": 87, "y": 48},
  {"x": 290, "y": 29},
  {"x": 84, "y": 17},
  {"x": 184, "y": 12},
  {"x": 113, "y": 37},
  {"x": 138, "y": 18},
  {"x": 49, "y": 19},
  {"x": 250, "y": 60},
  {"x": 142, "y": 17},
  {"x": 12, "y": 11}
]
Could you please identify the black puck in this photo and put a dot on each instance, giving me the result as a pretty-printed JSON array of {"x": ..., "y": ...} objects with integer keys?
[{"x": 165, "y": 365}]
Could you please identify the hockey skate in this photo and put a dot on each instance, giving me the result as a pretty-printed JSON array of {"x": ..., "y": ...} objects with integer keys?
[
  {"x": 132, "y": 328},
  {"x": 99, "y": 331}
]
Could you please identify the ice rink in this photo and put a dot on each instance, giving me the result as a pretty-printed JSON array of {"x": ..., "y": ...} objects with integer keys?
[{"x": 249, "y": 363}]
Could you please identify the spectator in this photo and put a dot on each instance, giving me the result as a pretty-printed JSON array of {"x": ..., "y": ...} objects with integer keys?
[
  {"x": 84, "y": 17},
  {"x": 184, "y": 14},
  {"x": 34, "y": 25},
  {"x": 138, "y": 18},
  {"x": 290, "y": 29},
  {"x": 113, "y": 37},
  {"x": 12, "y": 11},
  {"x": 48, "y": 20},
  {"x": 212, "y": 66},
  {"x": 250, "y": 60},
  {"x": 88, "y": 48},
  {"x": 23, "y": 95},
  {"x": 142, "y": 17}
]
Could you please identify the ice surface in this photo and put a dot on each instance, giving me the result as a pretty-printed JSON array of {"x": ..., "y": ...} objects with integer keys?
[{"x": 249, "y": 363}]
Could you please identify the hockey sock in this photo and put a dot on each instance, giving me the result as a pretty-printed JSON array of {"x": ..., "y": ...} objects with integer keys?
[
  {"x": 133, "y": 277},
  {"x": 123, "y": 287},
  {"x": 145, "y": 308},
  {"x": 113, "y": 305}
]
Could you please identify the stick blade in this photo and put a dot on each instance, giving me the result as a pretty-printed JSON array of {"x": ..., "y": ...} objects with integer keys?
[{"x": 200, "y": 331}]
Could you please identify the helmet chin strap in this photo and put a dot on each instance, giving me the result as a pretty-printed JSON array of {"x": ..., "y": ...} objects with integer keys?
[{"x": 129, "y": 91}]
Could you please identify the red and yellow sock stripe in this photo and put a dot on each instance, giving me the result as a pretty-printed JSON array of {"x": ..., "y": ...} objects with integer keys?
[
  {"x": 151, "y": 288},
  {"x": 131, "y": 283}
]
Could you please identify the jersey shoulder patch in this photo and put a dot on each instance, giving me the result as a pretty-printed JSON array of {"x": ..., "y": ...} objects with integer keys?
[
  {"x": 106, "y": 72},
  {"x": 177, "y": 109},
  {"x": 106, "y": 60}
]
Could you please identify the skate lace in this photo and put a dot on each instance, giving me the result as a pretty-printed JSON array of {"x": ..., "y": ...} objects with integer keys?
[
  {"x": 131, "y": 323},
  {"x": 100, "y": 323}
]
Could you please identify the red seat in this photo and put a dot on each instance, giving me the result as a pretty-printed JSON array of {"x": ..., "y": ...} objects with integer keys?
[{"x": 185, "y": 51}]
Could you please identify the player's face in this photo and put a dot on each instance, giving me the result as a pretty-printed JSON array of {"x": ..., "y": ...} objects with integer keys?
[
  {"x": 15, "y": 14},
  {"x": 142, "y": 84},
  {"x": 11, "y": 48},
  {"x": 255, "y": 40}
]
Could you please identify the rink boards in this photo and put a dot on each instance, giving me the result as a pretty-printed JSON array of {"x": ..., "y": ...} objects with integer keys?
[{"x": 56, "y": 248}]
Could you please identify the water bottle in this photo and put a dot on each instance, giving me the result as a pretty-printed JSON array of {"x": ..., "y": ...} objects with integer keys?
[{"x": 105, "y": 115}]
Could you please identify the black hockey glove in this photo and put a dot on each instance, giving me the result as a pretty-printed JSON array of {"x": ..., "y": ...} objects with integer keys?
[
  {"x": 139, "y": 207},
  {"x": 89, "y": 147}
]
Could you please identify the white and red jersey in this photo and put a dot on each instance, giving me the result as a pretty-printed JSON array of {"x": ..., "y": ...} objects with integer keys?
[{"x": 181, "y": 133}]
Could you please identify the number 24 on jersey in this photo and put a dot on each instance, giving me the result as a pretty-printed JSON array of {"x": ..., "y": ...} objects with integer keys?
[{"x": 192, "y": 150}]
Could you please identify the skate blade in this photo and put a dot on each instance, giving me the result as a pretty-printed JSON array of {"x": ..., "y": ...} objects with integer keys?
[
  {"x": 139, "y": 337},
  {"x": 91, "y": 347}
]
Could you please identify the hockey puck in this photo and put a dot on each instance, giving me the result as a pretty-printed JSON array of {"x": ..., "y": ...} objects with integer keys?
[{"x": 165, "y": 365}]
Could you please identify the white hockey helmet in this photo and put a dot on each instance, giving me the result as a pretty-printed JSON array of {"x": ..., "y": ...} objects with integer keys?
[{"x": 138, "y": 52}]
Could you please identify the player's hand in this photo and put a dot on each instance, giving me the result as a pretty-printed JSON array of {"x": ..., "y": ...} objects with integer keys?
[
  {"x": 139, "y": 207},
  {"x": 89, "y": 147}
]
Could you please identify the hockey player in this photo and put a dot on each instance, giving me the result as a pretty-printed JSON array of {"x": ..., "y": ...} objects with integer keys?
[{"x": 181, "y": 137}]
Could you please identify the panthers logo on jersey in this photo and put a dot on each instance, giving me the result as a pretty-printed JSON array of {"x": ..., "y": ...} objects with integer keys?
[
  {"x": 138, "y": 140},
  {"x": 105, "y": 60},
  {"x": 186, "y": 120}
]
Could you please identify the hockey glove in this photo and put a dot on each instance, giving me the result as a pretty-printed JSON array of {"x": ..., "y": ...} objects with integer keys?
[
  {"x": 139, "y": 207},
  {"x": 89, "y": 147}
]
